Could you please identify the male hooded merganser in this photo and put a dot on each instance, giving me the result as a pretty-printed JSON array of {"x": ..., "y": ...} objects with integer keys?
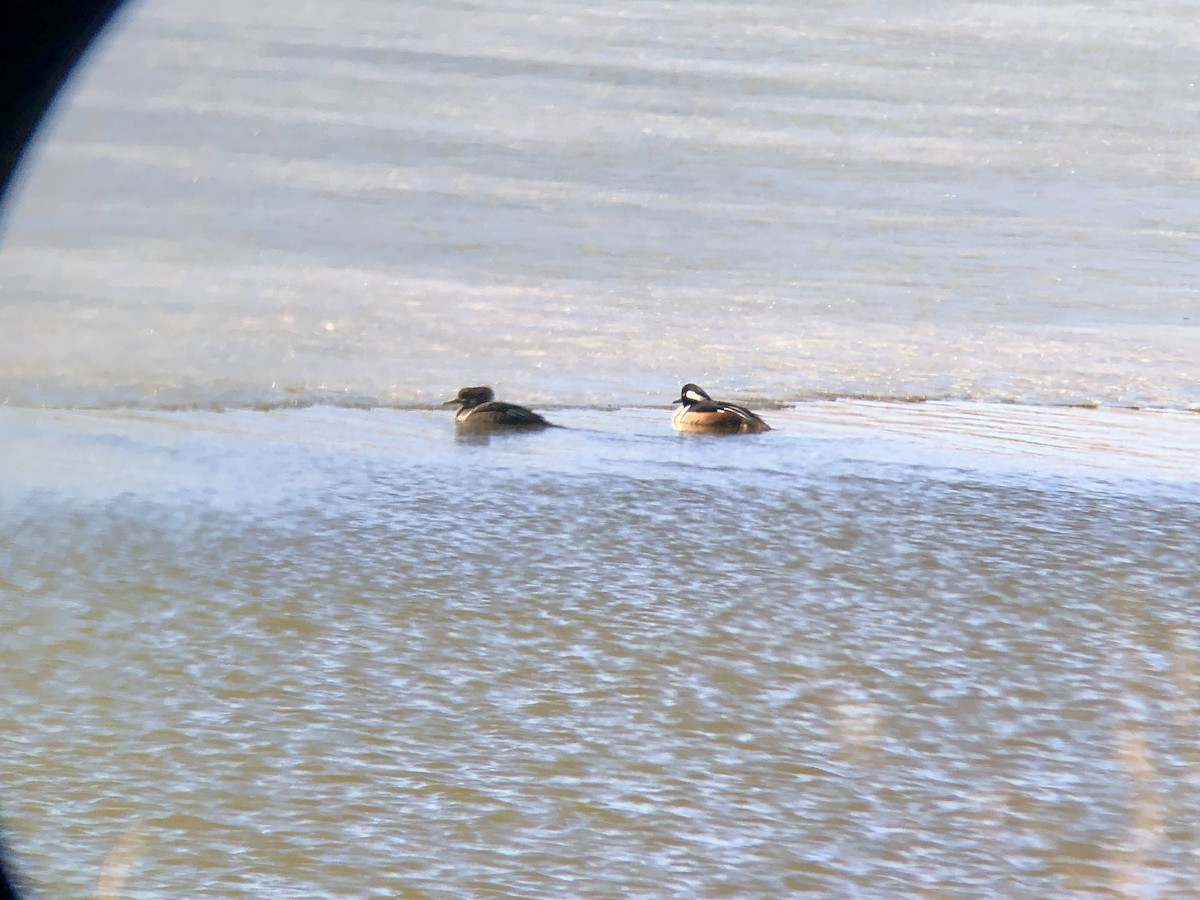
[
  {"x": 700, "y": 412},
  {"x": 479, "y": 410}
]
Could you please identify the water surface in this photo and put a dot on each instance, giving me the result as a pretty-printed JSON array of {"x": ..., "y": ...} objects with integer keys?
[{"x": 269, "y": 628}]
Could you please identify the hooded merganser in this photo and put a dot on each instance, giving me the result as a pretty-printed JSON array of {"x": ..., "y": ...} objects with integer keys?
[
  {"x": 700, "y": 412},
  {"x": 479, "y": 410}
]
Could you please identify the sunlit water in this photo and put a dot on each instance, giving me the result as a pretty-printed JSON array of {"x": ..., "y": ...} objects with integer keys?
[{"x": 270, "y": 628}]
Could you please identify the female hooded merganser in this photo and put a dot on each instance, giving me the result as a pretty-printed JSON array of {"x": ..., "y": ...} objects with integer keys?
[
  {"x": 700, "y": 412},
  {"x": 479, "y": 410}
]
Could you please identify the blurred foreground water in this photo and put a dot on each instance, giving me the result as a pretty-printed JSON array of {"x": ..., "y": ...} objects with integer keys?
[{"x": 338, "y": 652}]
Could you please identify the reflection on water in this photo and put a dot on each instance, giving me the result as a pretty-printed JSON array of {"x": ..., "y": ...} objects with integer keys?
[
  {"x": 256, "y": 204},
  {"x": 350, "y": 655}
]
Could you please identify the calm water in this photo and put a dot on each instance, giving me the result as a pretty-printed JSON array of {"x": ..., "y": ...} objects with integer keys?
[{"x": 270, "y": 629}]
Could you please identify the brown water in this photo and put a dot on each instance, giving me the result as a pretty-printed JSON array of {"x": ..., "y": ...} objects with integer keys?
[
  {"x": 268, "y": 629},
  {"x": 338, "y": 652}
]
